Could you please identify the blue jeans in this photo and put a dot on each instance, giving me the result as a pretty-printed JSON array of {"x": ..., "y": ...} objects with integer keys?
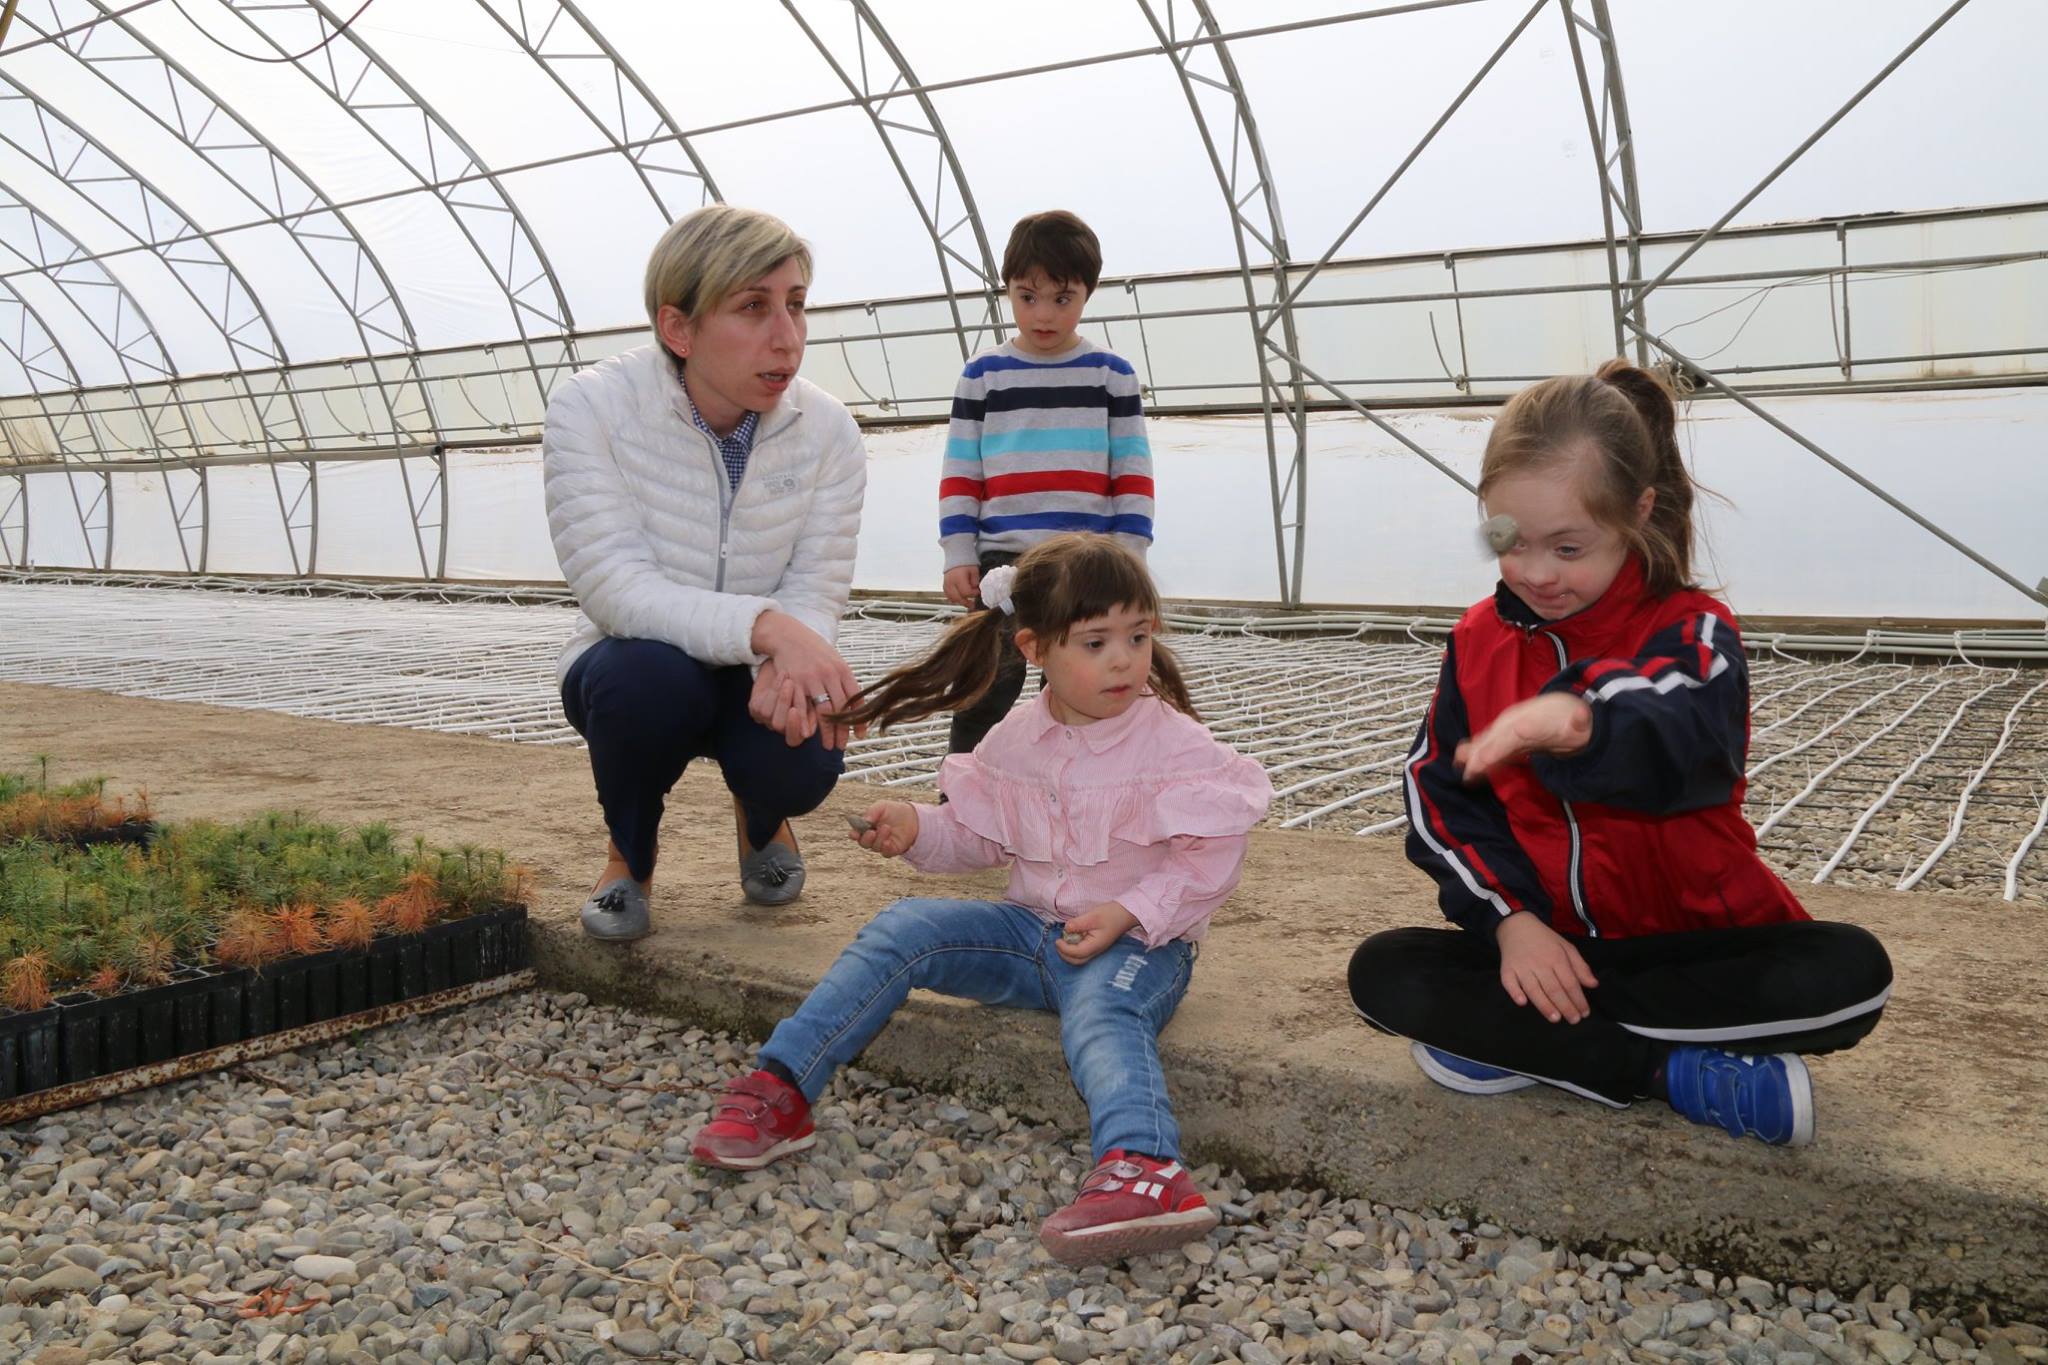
[{"x": 1111, "y": 1007}]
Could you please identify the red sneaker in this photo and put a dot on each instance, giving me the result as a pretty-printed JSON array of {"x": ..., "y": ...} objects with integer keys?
[
  {"x": 756, "y": 1119},
  {"x": 1129, "y": 1205}
]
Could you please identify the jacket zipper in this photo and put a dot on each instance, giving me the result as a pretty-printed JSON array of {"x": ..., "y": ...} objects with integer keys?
[
  {"x": 728, "y": 492},
  {"x": 1572, "y": 878}
]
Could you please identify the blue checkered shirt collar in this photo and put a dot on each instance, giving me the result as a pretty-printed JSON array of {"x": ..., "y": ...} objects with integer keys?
[{"x": 732, "y": 449}]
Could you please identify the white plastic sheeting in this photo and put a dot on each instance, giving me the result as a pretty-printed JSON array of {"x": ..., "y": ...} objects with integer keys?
[{"x": 1791, "y": 538}]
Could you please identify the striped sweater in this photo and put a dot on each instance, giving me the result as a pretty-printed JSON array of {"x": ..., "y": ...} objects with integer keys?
[{"x": 1043, "y": 445}]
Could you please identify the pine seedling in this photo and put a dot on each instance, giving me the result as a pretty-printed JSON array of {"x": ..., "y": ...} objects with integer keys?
[
  {"x": 350, "y": 923},
  {"x": 296, "y": 929},
  {"x": 245, "y": 940},
  {"x": 25, "y": 983}
]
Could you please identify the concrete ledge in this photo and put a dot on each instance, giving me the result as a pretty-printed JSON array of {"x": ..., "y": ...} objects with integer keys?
[{"x": 1931, "y": 1167}]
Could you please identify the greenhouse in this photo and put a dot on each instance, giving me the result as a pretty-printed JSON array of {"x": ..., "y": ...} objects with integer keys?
[{"x": 300, "y": 302}]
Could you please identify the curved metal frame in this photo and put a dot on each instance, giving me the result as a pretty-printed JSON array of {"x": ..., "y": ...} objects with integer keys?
[
  {"x": 622, "y": 138},
  {"x": 220, "y": 312},
  {"x": 442, "y": 164},
  {"x": 1615, "y": 195},
  {"x": 69, "y": 258},
  {"x": 355, "y": 94},
  {"x": 1288, "y": 396},
  {"x": 891, "y": 126},
  {"x": 60, "y": 424}
]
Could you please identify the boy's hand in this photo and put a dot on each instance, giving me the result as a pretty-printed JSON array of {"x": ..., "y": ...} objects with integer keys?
[
  {"x": 894, "y": 828},
  {"x": 963, "y": 586},
  {"x": 1554, "y": 723},
  {"x": 1539, "y": 967},
  {"x": 1094, "y": 929}
]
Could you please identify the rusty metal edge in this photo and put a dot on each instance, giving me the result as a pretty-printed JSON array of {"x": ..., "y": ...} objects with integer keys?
[{"x": 76, "y": 1093}]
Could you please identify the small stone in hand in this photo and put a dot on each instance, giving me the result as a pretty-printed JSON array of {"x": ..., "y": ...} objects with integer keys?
[{"x": 861, "y": 824}]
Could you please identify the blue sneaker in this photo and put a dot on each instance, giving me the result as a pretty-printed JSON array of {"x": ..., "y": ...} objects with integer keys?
[
  {"x": 1770, "y": 1098},
  {"x": 1466, "y": 1077}
]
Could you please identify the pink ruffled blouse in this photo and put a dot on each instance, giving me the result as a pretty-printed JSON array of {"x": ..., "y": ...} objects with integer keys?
[{"x": 1147, "y": 809}]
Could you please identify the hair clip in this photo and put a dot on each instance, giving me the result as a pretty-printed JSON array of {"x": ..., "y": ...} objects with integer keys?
[
  {"x": 997, "y": 586},
  {"x": 1499, "y": 533}
]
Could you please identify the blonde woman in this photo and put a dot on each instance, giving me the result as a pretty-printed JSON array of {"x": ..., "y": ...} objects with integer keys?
[{"x": 703, "y": 502}]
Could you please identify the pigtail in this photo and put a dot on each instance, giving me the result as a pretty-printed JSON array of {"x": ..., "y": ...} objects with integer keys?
[
  {"x": 1667, "y": 538},
  {"x": 1167, "y": 681},
  {"x": 955, "y": 675}
]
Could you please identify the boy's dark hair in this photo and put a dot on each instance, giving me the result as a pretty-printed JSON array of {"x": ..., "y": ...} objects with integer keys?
[{"x": 1056, "y": 243}]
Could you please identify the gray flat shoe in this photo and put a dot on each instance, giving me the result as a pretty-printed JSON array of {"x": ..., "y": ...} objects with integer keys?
[
  {"x": 772, "y": 874},
  {"x": 617, "y": 912}
]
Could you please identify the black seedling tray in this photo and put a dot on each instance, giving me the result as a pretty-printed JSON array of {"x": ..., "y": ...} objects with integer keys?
[{"x": 81, "y": 1037}]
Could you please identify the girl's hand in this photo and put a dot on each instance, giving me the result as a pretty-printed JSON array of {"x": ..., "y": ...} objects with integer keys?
[
  {"x": 813, "y": 669},
  {"x": 963, "y": 586},
  {"x": 1539, "y": 967},
  {"x": 894, "y": 828},
  {"x": 1554, "y": 723},
  {"x": 1094, "y": 929}
]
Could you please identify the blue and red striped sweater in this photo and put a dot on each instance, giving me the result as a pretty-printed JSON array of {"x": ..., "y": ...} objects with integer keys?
[{"x": 1040, "y": 445}]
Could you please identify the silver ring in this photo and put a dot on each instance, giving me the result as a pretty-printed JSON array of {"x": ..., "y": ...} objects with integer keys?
[{"x": 822, "y": 699}]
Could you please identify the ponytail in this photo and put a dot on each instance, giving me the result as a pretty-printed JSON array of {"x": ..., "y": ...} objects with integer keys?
[
  {"x": 1060, "y": 582},
  {"x": 956, "y": 674},
  {"x": 1666, "y": 538}
]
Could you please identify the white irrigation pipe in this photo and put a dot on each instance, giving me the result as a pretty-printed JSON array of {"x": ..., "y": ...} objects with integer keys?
[
  {"x": 1351, "y": 800},
  {"x": 1770, "y": 821},
  {"x": 1795, "y": 714},
  {"x": 1840, "y": 721},
  {"x": 1870, "y": 811},
  {"x": 1955, "y": 824},
  {"x": 2012, "y": 869}
]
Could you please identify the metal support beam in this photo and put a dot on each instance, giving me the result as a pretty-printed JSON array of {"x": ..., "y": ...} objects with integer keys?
[
  {"x": 1615, "y": 168},
  {"x": 1815, "y": 136},
  {"x": 908, "y": 124},
  {"x": 1303, "y": 279},
  {"x": 1695, "y": 371},
  {"x": 1257, "y": 230},
  {"x": 636, "y": 124}
]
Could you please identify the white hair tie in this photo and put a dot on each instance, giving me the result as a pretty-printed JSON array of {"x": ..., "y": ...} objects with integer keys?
[{"x": 997, "y": 585}]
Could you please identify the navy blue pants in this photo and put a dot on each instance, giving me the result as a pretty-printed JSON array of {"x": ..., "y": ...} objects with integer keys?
[{"x": 646, "y": 709}]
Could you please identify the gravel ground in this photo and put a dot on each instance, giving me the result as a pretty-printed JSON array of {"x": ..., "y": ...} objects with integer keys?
[{"x": 512, "y": 1183}]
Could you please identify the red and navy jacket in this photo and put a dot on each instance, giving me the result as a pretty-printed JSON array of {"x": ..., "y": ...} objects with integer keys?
[{"x": 1640, "y": 832}]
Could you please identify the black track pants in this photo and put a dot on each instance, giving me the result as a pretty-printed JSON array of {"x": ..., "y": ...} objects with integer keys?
[{"x": 1805, "y": 986}]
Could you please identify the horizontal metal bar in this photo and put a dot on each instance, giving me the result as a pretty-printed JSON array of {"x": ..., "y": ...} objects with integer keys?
[{"x": 99, "y": 1088}]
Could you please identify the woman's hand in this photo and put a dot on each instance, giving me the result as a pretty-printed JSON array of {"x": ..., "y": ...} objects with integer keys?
[
  {"x": 1553, "y": 723},
  {"x": 963, "y": 586},
  {"x": 774, "y": 705},
  {"x": 820, "y": 682},
  {"x": 892, "y": 828},
  {"x": 1094, "y": 929},
  {"x": 1539, "y": 967}
]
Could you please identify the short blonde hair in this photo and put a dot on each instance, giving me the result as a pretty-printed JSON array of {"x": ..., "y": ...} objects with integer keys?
[{"x": 709, "y": 253}]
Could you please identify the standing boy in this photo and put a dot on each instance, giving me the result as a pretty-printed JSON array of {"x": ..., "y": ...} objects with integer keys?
[{"x": 1048, "y": 435}]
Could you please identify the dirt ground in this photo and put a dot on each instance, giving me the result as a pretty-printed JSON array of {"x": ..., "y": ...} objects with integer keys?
[{"x": 1932, "y": 1133}]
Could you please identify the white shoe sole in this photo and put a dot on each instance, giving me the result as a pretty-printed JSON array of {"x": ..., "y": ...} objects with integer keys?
[
  {"x": 1113, "y": 1242},
  {"x": 752, "y": 1163},
  {"x": 1465, "y": 1085},
  {"x": 1802, "y": 1099}
]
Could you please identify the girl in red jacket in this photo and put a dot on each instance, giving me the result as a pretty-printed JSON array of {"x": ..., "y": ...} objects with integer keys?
[{"x": 1576, "y": 792}]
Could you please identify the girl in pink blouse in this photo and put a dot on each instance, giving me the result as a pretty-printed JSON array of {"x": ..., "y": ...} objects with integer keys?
[{"x": 1124, "y": 823}]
